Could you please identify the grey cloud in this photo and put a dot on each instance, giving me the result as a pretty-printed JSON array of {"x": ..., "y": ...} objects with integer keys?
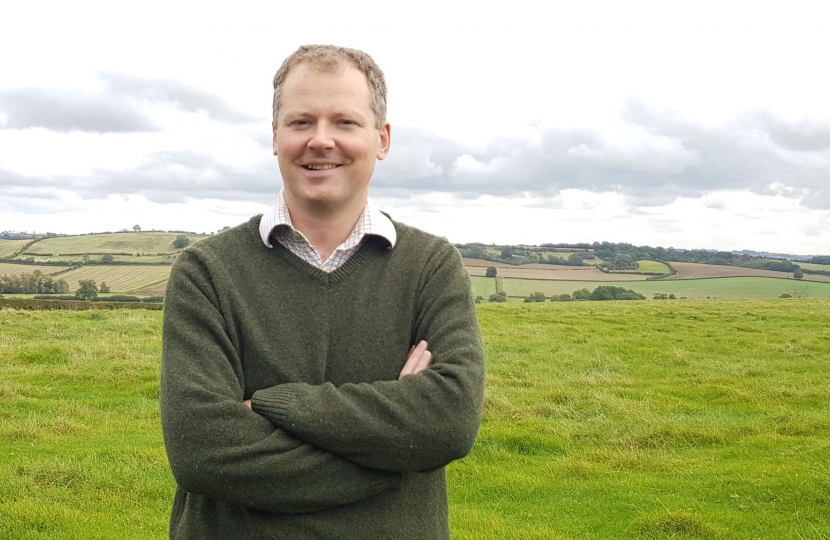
[
  {"x": 682, "y": 159},
  {"x": 65, "y": 111},
  {"x": 118, "y": 108}
]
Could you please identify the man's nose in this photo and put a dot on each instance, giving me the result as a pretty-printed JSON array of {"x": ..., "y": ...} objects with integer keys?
[{"x": 321, "y": 138}]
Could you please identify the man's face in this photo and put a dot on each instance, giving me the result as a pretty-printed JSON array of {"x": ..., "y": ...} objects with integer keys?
[{"x": 326, "y": 138}]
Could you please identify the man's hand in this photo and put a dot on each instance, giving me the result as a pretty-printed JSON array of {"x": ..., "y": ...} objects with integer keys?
[{"x": 418, "y": 360}]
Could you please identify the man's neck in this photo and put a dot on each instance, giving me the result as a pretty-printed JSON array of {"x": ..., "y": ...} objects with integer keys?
[{"x": 324, "y": 230}]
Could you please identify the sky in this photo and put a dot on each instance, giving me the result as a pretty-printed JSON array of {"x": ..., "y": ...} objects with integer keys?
[{"x": 683, "y": 124}]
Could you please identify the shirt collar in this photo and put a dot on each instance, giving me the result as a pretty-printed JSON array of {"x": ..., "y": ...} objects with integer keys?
[{"x": 371, "y": 221}]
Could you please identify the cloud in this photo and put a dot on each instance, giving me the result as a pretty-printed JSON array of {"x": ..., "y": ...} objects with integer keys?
[
  {"x": 122, "y": 106},
  {"x": 666, "y": 157}
]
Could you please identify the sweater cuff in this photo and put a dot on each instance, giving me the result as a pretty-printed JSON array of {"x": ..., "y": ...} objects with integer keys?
[{"x": 274, "y": 403}]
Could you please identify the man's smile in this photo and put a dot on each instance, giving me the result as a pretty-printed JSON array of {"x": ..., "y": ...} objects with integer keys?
[{"x": 320, "y": 166}]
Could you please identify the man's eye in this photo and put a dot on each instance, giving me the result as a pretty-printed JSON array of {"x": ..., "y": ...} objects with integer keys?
[{"x": 300, "y": 122}]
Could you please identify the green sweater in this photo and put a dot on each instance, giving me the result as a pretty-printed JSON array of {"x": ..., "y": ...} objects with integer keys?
[{"x": 335, "y": 447}]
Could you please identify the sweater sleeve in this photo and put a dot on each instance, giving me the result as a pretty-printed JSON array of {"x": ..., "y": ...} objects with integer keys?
[
  {"x": 218, "y": 447},
  {"x": 419, "y": 423}
]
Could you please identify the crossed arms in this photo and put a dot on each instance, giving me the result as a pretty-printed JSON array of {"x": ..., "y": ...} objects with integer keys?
[{"x": 310, "y": 447}]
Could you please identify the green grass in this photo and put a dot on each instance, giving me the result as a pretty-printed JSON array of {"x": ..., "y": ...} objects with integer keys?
[
  {"x": 118, "y": 278},
  {"x": 811, "y": 266},
  {"x": 653, "y": 267},
  {"x": 10, "y": 247},
  {"x": 483, "y": 286},
  {"x": 149, "y": 243},
  {"x": 736, "y": 287},
  {"x": 613, "y": 420}
]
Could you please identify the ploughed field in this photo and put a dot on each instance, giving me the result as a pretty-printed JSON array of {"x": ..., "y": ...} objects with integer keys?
[{"x": 625, "y": 420}]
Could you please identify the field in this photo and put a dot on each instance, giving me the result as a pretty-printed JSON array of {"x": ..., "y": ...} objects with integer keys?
[
  {"x": 551, "y": 272},
  {"x": 696, "y": 271},
  {"x": 615, "y": 420},
  {"x": 736, "y": 287},
  {"x": 12, "y": 269},
  {"x": 118, "y": 278},
  {"x": 653, "y": 267},
  {"x": 483, "y": 286},
  {"x": 811, "y": 266},
  {"x": 131, "y": 259},
  {"x": 144, "y": 242},
  {"x": 10, "y": 247}
]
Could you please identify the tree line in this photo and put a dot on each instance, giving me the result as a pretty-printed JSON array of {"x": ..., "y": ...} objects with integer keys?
[{"x": 34, "y": 283}]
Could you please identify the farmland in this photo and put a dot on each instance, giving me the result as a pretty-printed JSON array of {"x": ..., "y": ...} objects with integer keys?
[
  {"x": 811, "y": 266},
  {"x": 624, "y": 420},
  {"x": 142, "y": 242},
  {"x": 737, "y": 287},
  {"x": 10, "y": 247},
  {"x": 653, "y": 267},
  {"x": 119, "y": 278},
  {"x": 483, "y": 286},
  {"x": 551, "y": 272},
  {"x": 13, "y": 269}
]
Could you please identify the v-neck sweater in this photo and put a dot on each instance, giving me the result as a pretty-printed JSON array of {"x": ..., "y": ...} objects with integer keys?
[{"x": 335, "y": 446}]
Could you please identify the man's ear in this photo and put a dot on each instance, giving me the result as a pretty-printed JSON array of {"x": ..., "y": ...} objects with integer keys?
[
  {"x": 274, "y": 127},
  {"x": 385, "y": 140}
]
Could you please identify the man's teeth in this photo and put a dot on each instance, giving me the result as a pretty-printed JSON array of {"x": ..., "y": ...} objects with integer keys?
[{"x": 320, "y": 167}]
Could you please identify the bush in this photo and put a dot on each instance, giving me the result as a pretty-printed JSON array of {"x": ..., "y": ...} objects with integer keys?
[
  {"x": 490, "y": 272},
  {"x": 565, "y": 297},
  {"x": 798, "y": 273},
  {"x": 74, "y": 305},
  {"x": 498, "y": 297},
  {"x": 536, "y": 297},
  {"x": 181, "y": 241},
  {"x": 785, "y": 295},
  {"x": 107, "y": 258},
  {"x": 582, "y": 294}
]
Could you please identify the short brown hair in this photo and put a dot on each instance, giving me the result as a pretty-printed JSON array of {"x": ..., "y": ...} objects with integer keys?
[{"x": 329, "y": 57}]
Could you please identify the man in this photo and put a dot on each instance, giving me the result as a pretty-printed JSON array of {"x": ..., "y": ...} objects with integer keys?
[{"x": 322, "y": 363}]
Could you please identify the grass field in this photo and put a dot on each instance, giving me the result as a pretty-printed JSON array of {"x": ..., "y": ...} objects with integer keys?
[
  {"x": 613, "y": 420},
  {"x": 483, "y": 286},
  {"x": 737, "y": 287},
  {"x": 13, "y": 269},
  {"x": 653, "y": 267},
  {"x": 144, "y": 242},
  {"x": 118, "y": 278},
  {"x": 811, "y": 266},
  {"x": 10, "y": 247}
]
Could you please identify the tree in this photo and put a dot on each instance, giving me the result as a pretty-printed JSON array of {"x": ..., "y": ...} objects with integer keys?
[
  {"x": 181, "y": 241},
  {"x": 500, "y": 296},
  {"x": 85, "y": 259},
  {"x": 107, "y": 258},
  {"x": 798, "y": 273},
  {"x": 506, "y": 254},
  {"x": 86, "y": 290},
  {"x": 137, "y": 228},
  {"x": 490, "y": 272},
  {"x": 536, "y": 297},
  {"x": 582, "y": 294},
  {"x": 104, "y": 288}
]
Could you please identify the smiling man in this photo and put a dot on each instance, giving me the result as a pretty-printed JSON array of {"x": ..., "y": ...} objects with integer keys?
[{"x": 321, "y": 363}]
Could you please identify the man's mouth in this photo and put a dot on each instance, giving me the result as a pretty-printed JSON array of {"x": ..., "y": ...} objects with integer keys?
[{"x": 321, "y": 167}]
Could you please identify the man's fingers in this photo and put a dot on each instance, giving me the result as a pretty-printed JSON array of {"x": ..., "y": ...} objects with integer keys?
[
  {"x": 424, "y": 362},
  {"x": 415, "y": 354}
]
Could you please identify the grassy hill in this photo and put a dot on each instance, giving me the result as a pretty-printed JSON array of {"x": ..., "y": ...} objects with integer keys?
[
  {"x": 149, "y": 243},
  {"x": 620, "y": 420},
  {"x": 10, "y": 247}
]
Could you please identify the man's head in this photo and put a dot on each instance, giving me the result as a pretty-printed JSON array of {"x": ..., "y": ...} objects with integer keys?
[
  {"x": 330, "y": 58},
  {"x": 329, "y": 128}
]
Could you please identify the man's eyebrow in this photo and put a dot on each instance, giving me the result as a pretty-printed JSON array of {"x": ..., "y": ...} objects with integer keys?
[{"x": 348, "y": 113}]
